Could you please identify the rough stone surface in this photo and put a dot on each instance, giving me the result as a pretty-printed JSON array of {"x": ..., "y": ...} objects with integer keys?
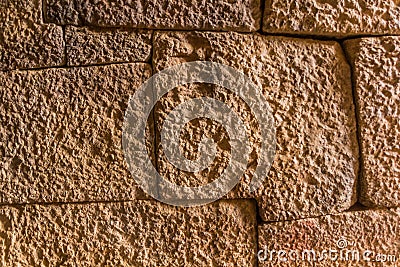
[
  {"x": 332, "y": 17},
  {"x": 376, "y": 68},
  {"x": 24, "y": 41},
  {"x": 60, "y": 134},
  {"x": 376, "y": 231},
  {"x": 141, "y": 233},
  {"x": 242, "y": 15},
  {"x": 307, "y": 85},
  {"x": 87, "y": 46}
]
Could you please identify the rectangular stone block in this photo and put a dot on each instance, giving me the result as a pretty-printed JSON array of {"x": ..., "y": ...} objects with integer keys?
[
  {"x": 60, "y": 134},
  {"x": 356, "y": 238},
  {"x": 335, "y": 18},
  {"x": 141, "y": 233},
  {"x": 242, "y": 15},
  {"x": 24, "y": 41},
  {"x": 306, "y": 83},
  {"x": 86, "y": 46},
  {"x": 376, "y": 72}
]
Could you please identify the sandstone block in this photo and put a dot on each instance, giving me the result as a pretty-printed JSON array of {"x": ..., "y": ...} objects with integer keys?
[
  {"x": 336, "y": 18},
  {"x": 222, "y": 234},
  {"x": 356, "y": 238},
  {"x": 24, "y": 41},
  {"x": 242, "y": 15},
  {"x": 60, "y": 134},
  {"x": 307, "y": 85},
  {"x": 141, "y": 233},
  {"x": 376, "y": 71},
  {"x": 86, "y": 46}
]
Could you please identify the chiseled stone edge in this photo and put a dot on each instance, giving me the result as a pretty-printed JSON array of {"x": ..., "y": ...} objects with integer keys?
[{"x": 353, "y": 49}]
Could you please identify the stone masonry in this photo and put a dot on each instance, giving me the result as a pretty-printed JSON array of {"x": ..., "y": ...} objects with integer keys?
[{"x": 328, "y": 69}]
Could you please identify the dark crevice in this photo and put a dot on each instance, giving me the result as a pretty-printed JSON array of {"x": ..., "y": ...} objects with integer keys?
[
  {"x": 357, "y": 119},
  {"x": 262, "y": 7},
  {"x": 358, "y": 207},
  {"x": 258, "y": 216},
  {"x": 59, "y": 203},
  {"x": 64, "y": 66},
  {"x": 298, "y": 36},
  {"x": 65, "y": 46},
  {"x": 259, "y": 219},
  {"x": 97, "y": 29},
  {"x": 257, "y": 223},
  {"x": 78, "y": 66},
  {"x": 155, "y": 150},
  {"x": 43, "y": 11}
]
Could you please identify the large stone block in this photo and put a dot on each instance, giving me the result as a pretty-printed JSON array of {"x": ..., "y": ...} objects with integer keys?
[
  {"x": 24, "y": 41},
  {"x": 60, "y": 134},
  {"x": 141, "y": 233},
  {"x": 356, "y": 238},
  {"x": 336, "y": 18},
  {"x": 86, "y": 46},
  {"x": 376, "y": 71},
  {"x": 306, "y": 83},
  {"x": 242, "y": 15}
]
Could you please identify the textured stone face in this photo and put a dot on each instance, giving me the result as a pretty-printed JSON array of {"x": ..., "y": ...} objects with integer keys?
[
  {"x": 222, "y": 234},
  {"x": 24, "y": 41},
  {"x": 307, "y": 85},
  {"x": 243, "y": 15},
  {"x": 87, "y": 46},
  {"x": 376, "y": 231},
  {"x": 332, "y": 17},
  {"x": 60, "y": 134},
  {"x": 141, "y": 233},
  {"x": 376, "y": 67}
]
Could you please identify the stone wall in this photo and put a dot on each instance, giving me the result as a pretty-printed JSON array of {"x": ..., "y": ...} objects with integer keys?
[{"x": 329, "y": 70}]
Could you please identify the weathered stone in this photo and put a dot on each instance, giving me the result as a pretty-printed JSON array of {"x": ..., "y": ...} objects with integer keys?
[
  {"x": 141, "y": 233},
  {"x": 356, "y": 238},
  {"x": 222, "y": 234},
  {"x": 307, "y": 85},
  {"x": 60, "y": 134},
  {"x": 24, "y": 41},
  {"x": 87, "y": 46},
  {"x": 376, "y": 71},
  {"x": 242, "y": 15},
  {"x": 332, "y": 17}
]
